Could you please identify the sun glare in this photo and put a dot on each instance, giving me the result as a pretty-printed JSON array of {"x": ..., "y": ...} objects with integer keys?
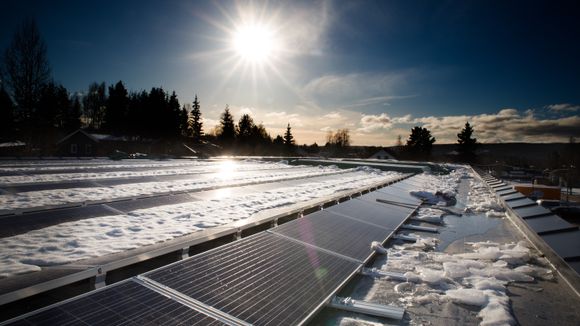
[
  {"x": 226, "y": 169},
  {"x": 254, "y": 43}
]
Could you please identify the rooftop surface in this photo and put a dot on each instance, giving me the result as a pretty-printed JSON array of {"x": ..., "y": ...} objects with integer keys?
[{"x": 478, "y": 268}]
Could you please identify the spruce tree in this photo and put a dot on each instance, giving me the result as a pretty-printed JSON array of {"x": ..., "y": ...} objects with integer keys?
[
  {"x": 196, "y": 123},
  {"x": 288, "y": 138},
  {"x": 465, "y": 144},
  {"x": 227, "y": 133},
  {"x": 184, "y": 122},
  {"x": 116, "y": 110}
]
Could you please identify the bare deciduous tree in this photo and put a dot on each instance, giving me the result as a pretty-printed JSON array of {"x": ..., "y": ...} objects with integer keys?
[{"x": 26, "y": 68}]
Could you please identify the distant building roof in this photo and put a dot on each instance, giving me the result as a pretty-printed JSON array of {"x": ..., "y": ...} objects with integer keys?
[{"x": 382, "y": 155}]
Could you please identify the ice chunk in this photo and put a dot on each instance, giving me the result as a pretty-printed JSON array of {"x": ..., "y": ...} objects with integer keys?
[
  {"x": 405, "y": 287},
  {"x": 378, "y": 247},
  {"x": 496, "y": 312},
  {"x": 470, "y": 297}
]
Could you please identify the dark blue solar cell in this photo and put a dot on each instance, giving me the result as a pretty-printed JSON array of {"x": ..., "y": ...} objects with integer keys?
[
  {"x": 143, "y": 203},
  {"x": 120, "y": 304},
  {"x": 343, "y": 235},
  {"x": 264, "y": 279},
  {"x": 18, "y": 224}
]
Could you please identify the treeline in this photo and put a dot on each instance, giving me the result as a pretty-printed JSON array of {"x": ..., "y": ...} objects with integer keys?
[{"x": 38, "y": 110}]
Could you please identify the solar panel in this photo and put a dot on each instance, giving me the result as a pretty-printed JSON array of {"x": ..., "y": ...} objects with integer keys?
[
  {"x": 565, "y": 244},
  {"x": 575, "y": 264},
  {"x": 520, "y": 203},
  {"x": 131, "y": 205},
  {"x": 532, "y": 211},
  {"x": 397, "y": 195},
  {"x": 379, "y": 212},
  {"x": 502, "y": 188},
  {"x": 336, "y": 233},
  {"x": 513, "y": 196},
  {"x": 49, "y": 186},
  {"x": 37, "y": 220},
  {"x": 264, "y": 279},
  {"x": 125, "y": 303},
  {"x": 549, "y": 223},
  {"x": 506, "y": 192}
]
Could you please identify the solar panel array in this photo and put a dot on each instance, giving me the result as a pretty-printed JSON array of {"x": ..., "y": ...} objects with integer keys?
[
  {"x": 125, "y": 303},
  {"x": 560, "y": 235},
  {"x": 278, "y": 277}
]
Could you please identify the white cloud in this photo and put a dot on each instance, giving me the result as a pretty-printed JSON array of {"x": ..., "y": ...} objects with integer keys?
[
  {"x": 245, "y": 110},
  {"x": 371, "y": 123},
  {"x": 355, "y": 90},
  {"x": 564, "y": 107},
  {"x": 277, "y": 119},
  {"x": 508, "y": 125},
  {"x": 333, "y": 116}
]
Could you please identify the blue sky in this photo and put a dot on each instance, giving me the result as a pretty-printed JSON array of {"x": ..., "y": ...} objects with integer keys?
[{"x": 378, "y": 68}]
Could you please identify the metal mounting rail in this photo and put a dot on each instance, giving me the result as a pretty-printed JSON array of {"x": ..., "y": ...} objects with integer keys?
[
  {"x": 367, "y": 308},
  {"x": 176, "y": 245},
  {"x": 419, "y": 228},
  {"x": 330, "y": 252},
  {"x": 190, "y": 302},
  {"x": 405, "y": 238},
  {"x": 381, "y": 273}
]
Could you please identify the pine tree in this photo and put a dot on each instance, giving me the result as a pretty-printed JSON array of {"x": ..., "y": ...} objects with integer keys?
[
  {"x": 72, "y": 120},
  {"x": 184, "y": 122},
  {"x": 288, "y": 138},
  {"x": 196, "y": 123},
  {"x": 116, "y": 110},
  {"x": 245, "y": 128},
  {"x": 420, "y": 142},
  {"x": 466, "y": 145},
  {"x": 174, "y": 120},
  {"x": 227, "y": 132}
]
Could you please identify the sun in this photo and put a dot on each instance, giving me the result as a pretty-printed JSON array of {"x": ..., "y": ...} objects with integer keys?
[{"x": 254, "y": 43}]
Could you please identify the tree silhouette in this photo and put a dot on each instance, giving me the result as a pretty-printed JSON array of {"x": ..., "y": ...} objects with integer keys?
[
  {"x": 94, "y": 105},
  {"x": 245, "y": 129},
  {"x": 6, "y": 113},
  {"x": 72, "y": 120},
  {"x": 173, "y": 116},
  {"x": 116, "y": 109},
  {"x": 184, "y": 122},
  {"x": 196, "y": 123},
  {"x": 53, "y": 106},
  {"x": 227, "y": 130},
  {"x": 466, "y": 145},
  {"x": 288, "y": 138},
  {"x": 420, "y": 142},
  {"x": 26, "y": 68}
]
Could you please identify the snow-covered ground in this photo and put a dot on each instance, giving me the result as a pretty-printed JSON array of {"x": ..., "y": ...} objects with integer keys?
[{"x": 99, "y": 236}]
